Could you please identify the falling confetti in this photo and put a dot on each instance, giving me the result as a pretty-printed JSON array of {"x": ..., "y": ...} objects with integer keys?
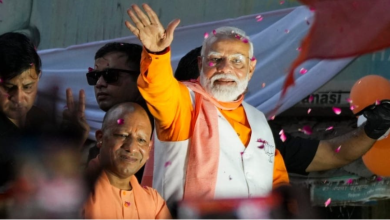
[
  {"x": 349, "y": 181},
  {"x": 311, "y": 98},
  {"x": 206, "y": 35},
  {"x": 338, "y": 149},
  {"x": 336, "y": 110},
  {"x": 349, "y": 100},
  {"x": 168, "y": 163},
  {"x": 282, "y": 136},
  {"x": 307, "y": 130},
  {"x": 287, "y": 31},
  {"x": 263, "y": 85},
  {"x": 329, "y": 128},
  {"x": 120, "y": 121},
  {"x": 253, "y": 58},
  {"x": 377, "y": 102},
  {"x": 245, "y": 40},
  {"x": 327, "y": 202},
  {"x": 303, "y": 71},
  {"x": 299, "y": 49},
  {"x": 281, "y": 2},
  {"x": 259, "y": 18},
  {"x": 308, "y": 111},
  {"x": 90, "y": 69}
]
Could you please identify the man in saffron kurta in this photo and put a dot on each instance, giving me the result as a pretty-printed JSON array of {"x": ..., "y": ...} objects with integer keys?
[
  {"x": 210, "y": 143},
  {"x": 125, "y": 143}
]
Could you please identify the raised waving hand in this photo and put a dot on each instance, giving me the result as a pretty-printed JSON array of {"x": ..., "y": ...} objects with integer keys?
[{"x": 149, "y": 30}]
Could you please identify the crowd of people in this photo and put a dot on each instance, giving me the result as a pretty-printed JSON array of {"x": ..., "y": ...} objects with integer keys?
[{"x": 198, "y": 137}]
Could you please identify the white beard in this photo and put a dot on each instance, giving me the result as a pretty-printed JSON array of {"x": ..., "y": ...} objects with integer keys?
[{"x": 224, "y": 93}]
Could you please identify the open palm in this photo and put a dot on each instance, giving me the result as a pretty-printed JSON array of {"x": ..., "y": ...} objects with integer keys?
[{"x": 149, "y": 30}]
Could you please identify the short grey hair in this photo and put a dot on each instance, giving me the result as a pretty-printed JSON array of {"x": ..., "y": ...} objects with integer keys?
[{"x": 227, "y": 32}]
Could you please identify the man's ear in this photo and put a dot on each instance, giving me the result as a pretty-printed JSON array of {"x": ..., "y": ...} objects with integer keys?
[
  {"x": 252, "y": 67},
  {"x": 99, "y": 138},
  {"x": 200, "y": 63}
]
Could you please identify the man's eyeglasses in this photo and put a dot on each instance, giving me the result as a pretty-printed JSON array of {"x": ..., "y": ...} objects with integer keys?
[{"x": 109, "y": 75}]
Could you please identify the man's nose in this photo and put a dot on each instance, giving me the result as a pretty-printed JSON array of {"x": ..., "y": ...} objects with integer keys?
[
  {"x": 224, "y": 66},
  {"x": 130, "y": 146},
  {"x": 101, "y": 82},
  {"x": 17, "y": 96}
]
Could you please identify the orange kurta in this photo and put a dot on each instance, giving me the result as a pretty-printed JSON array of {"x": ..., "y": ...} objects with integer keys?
[
  {"x": 170, "y": 103},
  {"x": 107, "y": 201}
]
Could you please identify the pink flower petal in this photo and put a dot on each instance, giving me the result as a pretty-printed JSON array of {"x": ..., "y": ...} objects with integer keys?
[
  {"x": 245, "y": 40},
  {"x": 120, "y": 121},
  {"x": 307, "y": 130},
  {"x": 281, "y": 2},
  {"x": 349, "y": 100},
  {"x": 259, "y": 18},
  {"x": 238, "y": 36},
  {"x": 253, "y": 58},
  {"x": 303, "y": 71},
  {"x": 352, "y": 107},
  {"x": 308, "y": 111},
  {"x": 242, "y": 152},
  {"x": 261, "y": 140},
  {"x": 90, "y": 69},
  {"x": 206, "y": 35},
  {"x": 338, "y": 149},
  {"x": 127, "y": 204},
  {"x": 272, "y": 117},
  {"x": 336, "y": 110},
  {"x": 282, "y": 135},
  {"x": 211, "y": 64},
  {"x": 349, "y": 181},
  {"x": 1, "y": 1},
  {"x": 287, "y": 31},
  {"x": 378, "y": 178},
  {"x": 328, "y": 202},
  {"x": 168, "y": 163},
  {"x": 329, "y": 128},
  {"x": 377, "y": 102},
  {"x": 299, "y": 49},
  {"x": 311, "y": 98},
  {"x": 312, "y": 9},
  {"x": 261, "y": 146}
]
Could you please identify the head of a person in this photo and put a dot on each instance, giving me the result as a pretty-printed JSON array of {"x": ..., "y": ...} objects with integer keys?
[
  {"x": 226, "y": 63},
  {"x": 188, "y": 69},
  {"x": 20, "y": 69},
  {"x": 125, "y": 139},
  {"x": 114, "y": 76}
]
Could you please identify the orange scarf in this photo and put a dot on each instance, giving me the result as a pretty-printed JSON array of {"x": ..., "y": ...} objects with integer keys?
[{"x": 203, "y": 157}]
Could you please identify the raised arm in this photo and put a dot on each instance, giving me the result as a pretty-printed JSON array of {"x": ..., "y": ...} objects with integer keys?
[
  {"x": 168, "y": 100},
  {"x": 354, "y": 144}
]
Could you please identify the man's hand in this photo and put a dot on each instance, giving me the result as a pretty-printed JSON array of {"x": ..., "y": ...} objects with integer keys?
[
  {"x": 74, "y": 121},
  {"x": 378, "y": 119},
  {"x": 149, "y": 30}
]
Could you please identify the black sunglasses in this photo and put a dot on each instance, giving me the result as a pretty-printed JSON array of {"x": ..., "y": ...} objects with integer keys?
[{"x": 109, "y": 75}]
